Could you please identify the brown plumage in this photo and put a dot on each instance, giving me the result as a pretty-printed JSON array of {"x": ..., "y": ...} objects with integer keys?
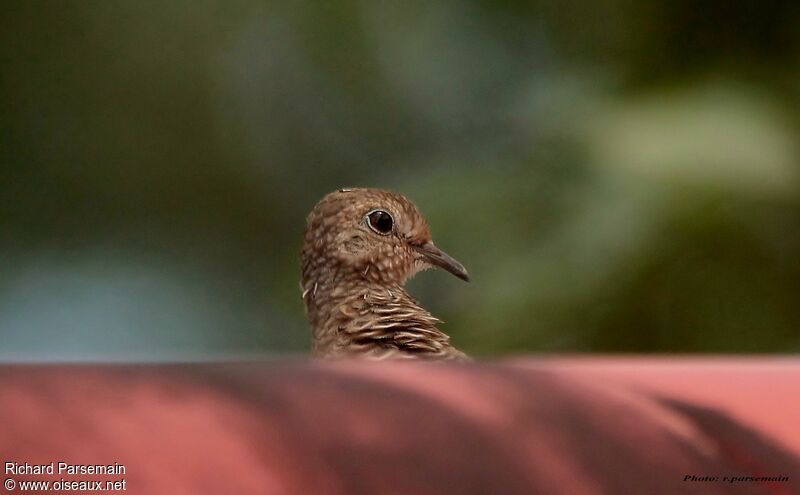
[{"x": 360, "y": 247}]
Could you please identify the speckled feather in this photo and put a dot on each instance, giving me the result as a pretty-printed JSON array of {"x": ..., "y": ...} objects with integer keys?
[{"x": 352, "y": 280}]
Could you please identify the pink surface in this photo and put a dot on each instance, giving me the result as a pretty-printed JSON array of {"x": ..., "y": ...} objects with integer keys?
[
  {"x": 547, "y": 425},
  {"x": 762, "y": 393}
]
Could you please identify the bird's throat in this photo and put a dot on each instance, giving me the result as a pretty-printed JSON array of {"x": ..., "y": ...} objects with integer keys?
[{"x": 351, "y": 316}]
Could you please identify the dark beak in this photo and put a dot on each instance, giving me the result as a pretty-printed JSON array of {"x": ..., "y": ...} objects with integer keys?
[{"x": 437, "y": 257}]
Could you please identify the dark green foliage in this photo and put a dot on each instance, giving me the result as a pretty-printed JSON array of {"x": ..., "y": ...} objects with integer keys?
[{"x": 617, "y": 176}]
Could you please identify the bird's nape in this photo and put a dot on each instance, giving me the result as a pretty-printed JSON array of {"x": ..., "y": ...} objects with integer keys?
[{"x": 360, "y": 247}]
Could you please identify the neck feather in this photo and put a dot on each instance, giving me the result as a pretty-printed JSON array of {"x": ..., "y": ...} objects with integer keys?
[{"x": 351, "y": 315}]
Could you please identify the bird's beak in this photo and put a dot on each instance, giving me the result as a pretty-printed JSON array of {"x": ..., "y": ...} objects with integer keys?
[{"x": 437, "y": 257}]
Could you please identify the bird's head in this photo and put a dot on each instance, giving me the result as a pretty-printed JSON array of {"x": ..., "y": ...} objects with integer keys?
[{"x": 379, "y": 234}]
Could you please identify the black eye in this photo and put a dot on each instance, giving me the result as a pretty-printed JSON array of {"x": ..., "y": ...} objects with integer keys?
[{"x": 380, "y": 221}]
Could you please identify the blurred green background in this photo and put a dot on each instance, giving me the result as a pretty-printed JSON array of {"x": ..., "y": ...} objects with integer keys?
[{"x": 618, "y": 176}]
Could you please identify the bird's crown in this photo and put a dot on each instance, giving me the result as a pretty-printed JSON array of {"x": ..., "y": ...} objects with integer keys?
[{"x": 380, "y": 234}]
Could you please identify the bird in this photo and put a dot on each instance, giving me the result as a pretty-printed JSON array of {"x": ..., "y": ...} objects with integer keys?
[{"x": 360, "y": 247}]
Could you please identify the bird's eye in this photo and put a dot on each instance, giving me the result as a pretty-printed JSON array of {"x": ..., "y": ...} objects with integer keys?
[{"x": 380, "y": 221}]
